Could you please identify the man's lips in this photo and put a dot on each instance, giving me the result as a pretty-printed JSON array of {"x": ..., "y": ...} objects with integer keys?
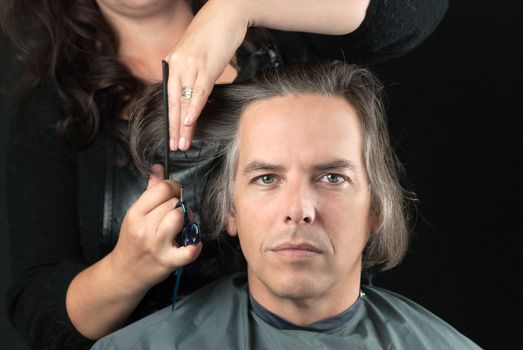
[{"x": 296, "y": 250}]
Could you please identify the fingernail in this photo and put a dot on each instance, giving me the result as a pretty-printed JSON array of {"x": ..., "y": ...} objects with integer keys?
[
  {"x": 188, "y": 119},
  {"x": 172, "y": 144},
  {"x": 183, "y": 143}
]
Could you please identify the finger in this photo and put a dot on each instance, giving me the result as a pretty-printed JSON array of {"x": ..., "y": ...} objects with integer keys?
[
  {"x": 188, "y": 81},
  {"x": 153, "y": 197},
  {"x": 155, "y": 216},
  {"x": 201, "y": 92},
  {"x": 169, "y": 227},
  {"x": 156, "y": 175},
  {"x": 185, "y": 255}
]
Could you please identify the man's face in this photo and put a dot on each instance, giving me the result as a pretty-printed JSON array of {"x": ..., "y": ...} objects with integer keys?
[{"x": 301, "y": 197}]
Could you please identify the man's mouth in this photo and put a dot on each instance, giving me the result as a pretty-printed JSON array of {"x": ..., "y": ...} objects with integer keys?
[{"x": 297, "y": 250}]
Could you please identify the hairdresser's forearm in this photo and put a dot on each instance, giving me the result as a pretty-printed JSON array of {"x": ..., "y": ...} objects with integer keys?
[
  {"x": 100, "y": 299},
  {"x": 333, "y": 17}
]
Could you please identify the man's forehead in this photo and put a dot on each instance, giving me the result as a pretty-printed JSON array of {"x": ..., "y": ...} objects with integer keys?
[{"x": 313, "y": 129}]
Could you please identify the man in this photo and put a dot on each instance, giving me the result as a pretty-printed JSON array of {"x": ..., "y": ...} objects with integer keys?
[{"x": 308, "y": 183}]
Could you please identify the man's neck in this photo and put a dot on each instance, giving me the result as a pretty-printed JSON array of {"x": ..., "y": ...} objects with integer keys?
[
  {"x": 145, "y": 39},
  {"x": 325, "y": 325},
  {"x": 306, "y": 311}
]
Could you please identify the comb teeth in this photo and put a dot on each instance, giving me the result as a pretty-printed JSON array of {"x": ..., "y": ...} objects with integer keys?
[{"x": 165, "y": 104}]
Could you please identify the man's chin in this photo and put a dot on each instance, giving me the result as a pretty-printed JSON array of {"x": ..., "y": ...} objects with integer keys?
[{"x": 297, "y": 288}]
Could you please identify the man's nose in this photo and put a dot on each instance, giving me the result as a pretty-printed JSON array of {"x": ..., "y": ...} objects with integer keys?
[{"x": 299, "y": 203}]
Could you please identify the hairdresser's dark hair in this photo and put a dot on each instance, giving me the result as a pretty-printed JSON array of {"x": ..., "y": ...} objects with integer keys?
[
  {"x": 219, "y": 123},
  {"x": 72, "y": 45}
]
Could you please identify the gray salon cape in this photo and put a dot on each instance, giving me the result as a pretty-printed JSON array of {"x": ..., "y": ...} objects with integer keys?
[{"x": 219, "y": 316}]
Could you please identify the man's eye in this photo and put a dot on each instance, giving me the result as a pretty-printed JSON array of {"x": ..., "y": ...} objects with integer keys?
[
  {"x": 333, "y": 178},
  {"x": 265, "y": 179}
]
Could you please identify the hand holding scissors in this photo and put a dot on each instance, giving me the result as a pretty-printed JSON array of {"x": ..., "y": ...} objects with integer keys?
[{"x": 190, "y": 234}]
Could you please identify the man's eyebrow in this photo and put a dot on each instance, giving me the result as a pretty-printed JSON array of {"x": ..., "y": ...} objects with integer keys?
[
  {"x": 255, "y": 166},
  {"x": 336, "y": 164},
  {"x": 261, "y": 166}
]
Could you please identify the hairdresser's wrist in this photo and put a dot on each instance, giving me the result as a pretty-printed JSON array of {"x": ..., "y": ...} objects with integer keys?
[
  {"x": 235, "y": 12},
  {"x": 102, "y": 294},
  {"x": 132, "y": 279}
]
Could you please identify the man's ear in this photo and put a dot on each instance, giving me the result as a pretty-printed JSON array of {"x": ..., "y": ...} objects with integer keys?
[
  {"x": 232, "y": 227},
  {"x": 375, "y": 223}
]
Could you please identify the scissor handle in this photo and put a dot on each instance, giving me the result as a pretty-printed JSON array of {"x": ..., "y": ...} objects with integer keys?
[
  {"x": 191, "y": 233},
  {"x": 191, "y": 230}
]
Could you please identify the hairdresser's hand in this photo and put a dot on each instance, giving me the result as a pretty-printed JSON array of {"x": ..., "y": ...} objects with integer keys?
[
  {"x": 146, "y": 250},
  {"x": 198, "y": 60}
]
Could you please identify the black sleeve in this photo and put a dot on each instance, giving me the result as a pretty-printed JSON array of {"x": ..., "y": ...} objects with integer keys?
[
  {"x": 44, "y": 239},
  {"x": 390, "y": 29}
]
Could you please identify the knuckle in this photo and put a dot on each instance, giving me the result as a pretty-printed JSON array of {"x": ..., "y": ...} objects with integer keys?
[
  {"x": 195, "y": 60},
  {"x": 171, "y": 224},
  {"x": 139, "y": 231},
  {"x": 184, "y": 102},
  {"x": 164, "y": 188},
  {"x": 173, "y": 57},
  {"x": 191, "y": 60},
  {"x": 200, "y": 91}
]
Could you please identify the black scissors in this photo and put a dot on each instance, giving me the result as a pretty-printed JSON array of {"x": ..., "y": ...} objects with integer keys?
[
  {"x": 190, "y": 233},
  {"x": 191, "y": 230}
]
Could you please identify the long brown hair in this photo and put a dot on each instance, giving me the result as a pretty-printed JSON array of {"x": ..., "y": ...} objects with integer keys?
[{"x": 72, "y": 45}]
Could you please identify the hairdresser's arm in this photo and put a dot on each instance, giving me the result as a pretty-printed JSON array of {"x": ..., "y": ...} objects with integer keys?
[
  {"x": 391, "y": 28},
  {"x": 219, "y": 28},
  {"x": 101, "y": 297},
  {"x": 48, "y": 254}
]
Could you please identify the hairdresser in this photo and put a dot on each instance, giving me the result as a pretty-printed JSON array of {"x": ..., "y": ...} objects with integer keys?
[{"x": 84, "y": 263}]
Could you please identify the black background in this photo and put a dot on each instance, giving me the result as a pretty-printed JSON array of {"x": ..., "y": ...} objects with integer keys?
[{"x": 454, "y": 106}]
